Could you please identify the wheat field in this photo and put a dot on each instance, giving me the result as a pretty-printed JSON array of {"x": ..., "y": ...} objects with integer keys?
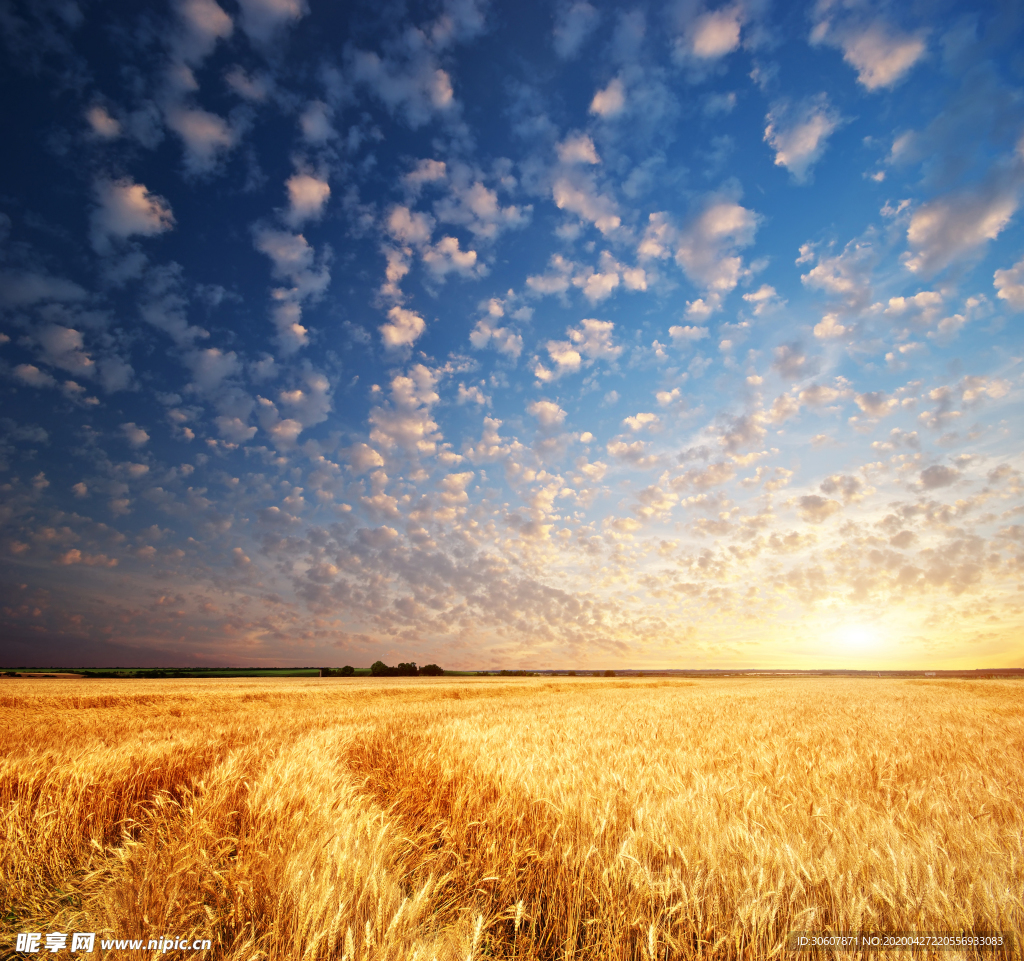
[{"x": 527, "y": 819}]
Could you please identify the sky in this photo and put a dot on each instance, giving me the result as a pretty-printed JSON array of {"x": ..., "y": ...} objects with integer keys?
[{"x": 512, "y": 335}]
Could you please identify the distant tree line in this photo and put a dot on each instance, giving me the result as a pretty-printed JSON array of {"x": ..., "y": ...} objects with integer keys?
[{"x": 380, "y": 669}]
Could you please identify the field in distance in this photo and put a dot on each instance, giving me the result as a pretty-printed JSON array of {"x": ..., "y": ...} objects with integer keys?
[{"x": 582, "y": 818}]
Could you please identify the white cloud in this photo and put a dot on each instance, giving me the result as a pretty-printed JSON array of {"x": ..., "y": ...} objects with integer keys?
[
  {"x": 253, "y": 88},
  {"x": 203, "y": 24},
  {"x": 261, "y": 19},
  {"x": 816, "y": 509},
  {"x": 404, "y": 327},
  {"x": 134, "y": 434},
  {"x": 846, "y": 275},
  {"x": 1009, "y": 284},
  {"x": 879, "y": 53},
  {"x": 594, "y": 339},
  {"x": 425, "y": 172},
  {"x": 556, "y": 280},
  {"x": 547, "y": 413},
  {"x": 406, "y": 422},
  {"x": 683, "y": 335},
  {"x": 958, "y": 224},
  {"x": 577, "y": 150},
  {"x": 502, "y": 339},
  {"x": 315, "y": 123},
  {"x": 412, "y": 83},
  {"x": 126, "y": 209},
  {"x": 211, "y": 367},
  {"x": 711, "y": 35},
  {"x": 707, "y": 250},
  {"x": 446, "y": 256},
  {"x": 307, "y": 196},
  {"x": 234, "y": 429},
  {"x": 798, "y": 133},
  {"x": 206, "y": 137},
  {"x": 591, "y": 340},
  {"x": 576, "y": 192},
  {"x": 294, "y": 261},
  {"x": 877, "y": 403},
  {"x": 102, "y": 124},
  {"x": 33, "y": 376},
  {"x": 830, "y": 328},
  {"x": 610, "y": 101},
  {"x": 641, "y": 421},
  {"x": 471, "y": 395},
  {"x": 765, "y": 299},
  {"x": 20, "y": 289},
  {"x": 409, "y": 227},
  {"x": 474, "y": 205},
  {"x": 573, "y": 25}
]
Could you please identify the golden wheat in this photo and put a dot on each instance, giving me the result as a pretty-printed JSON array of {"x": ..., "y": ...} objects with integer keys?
[{"x": 526, "y": 819}]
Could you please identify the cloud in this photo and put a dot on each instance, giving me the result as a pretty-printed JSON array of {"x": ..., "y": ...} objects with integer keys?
[
  {"x": 792, "y": 362},
  {"x": 879, "y": 53},
  {"x": 592, "y": 340},
  {"x": 425, "y": 172},
  {"x": 409, "y": 82},
  {"x": 502, "y": 339},
  {"x": 956, "y": 225},
  {"x": 764, "y": 300},
  {"x": 938, "y": 476},
  {"x": 446, "y": 257},
  {"x": 405, "y": 422},
  {"x": 203, "y": 22},
  {"x": 33, "y": 376},
  {"x": 556, "y": 281},
  {"x": 294, "y": 261},
  {"x": 404, "y": 328},
  {"x": 262, "y": 19},
  {"x": 102, "y": 124},
  {"x": 710, "y": 35},
  {"x": 472, "y": 204},
  {"x": 211, "y": 367},
  {"x": 816, "y": 509},
  {"x": 408, "y": 227},
  {"x": 642, "y": 421},
  {"x": 135, "y": 435},
  {"x": 315, "y": 123},
  {"x": 577, "y": 150},
  {"x": 1009, "y": 285},
  {"x": 683, "y": 335},
  {"x": 546, "y": 413},
  {"x": 877, "y": 403},
  {"x": 707, "y": 248},
  {"x": 573, "y": 25},
  {"x": 18, "y": 289},
  {"x": 206, "y": 137},
  {"x": 126, "y": 209},
  {"x": 846, "y": 276},
  {"x": 610, "y": 101},
  {"x": 577, "y": 192},
  {"x": 307, "y": 196},
  {"x": 798, "y": 133}
]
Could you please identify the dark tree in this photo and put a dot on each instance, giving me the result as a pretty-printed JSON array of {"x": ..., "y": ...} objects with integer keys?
[
  {"x": 379, "y": 669},
  {"x": 347, "y": 671},
  {"x": 431, "y": 670}
]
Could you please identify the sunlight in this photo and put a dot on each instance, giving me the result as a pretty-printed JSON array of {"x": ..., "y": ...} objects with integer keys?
[{"x": 857, "y": 637}]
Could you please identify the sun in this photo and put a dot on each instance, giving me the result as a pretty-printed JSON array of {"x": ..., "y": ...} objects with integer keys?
[{"x": 858, "y": 637}]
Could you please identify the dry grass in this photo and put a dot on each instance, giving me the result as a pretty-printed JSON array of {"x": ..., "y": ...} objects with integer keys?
[{"x": 523, "y": 819}]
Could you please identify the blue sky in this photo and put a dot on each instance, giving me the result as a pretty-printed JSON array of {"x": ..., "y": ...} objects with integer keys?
[{"x": 512, "y": 335}]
